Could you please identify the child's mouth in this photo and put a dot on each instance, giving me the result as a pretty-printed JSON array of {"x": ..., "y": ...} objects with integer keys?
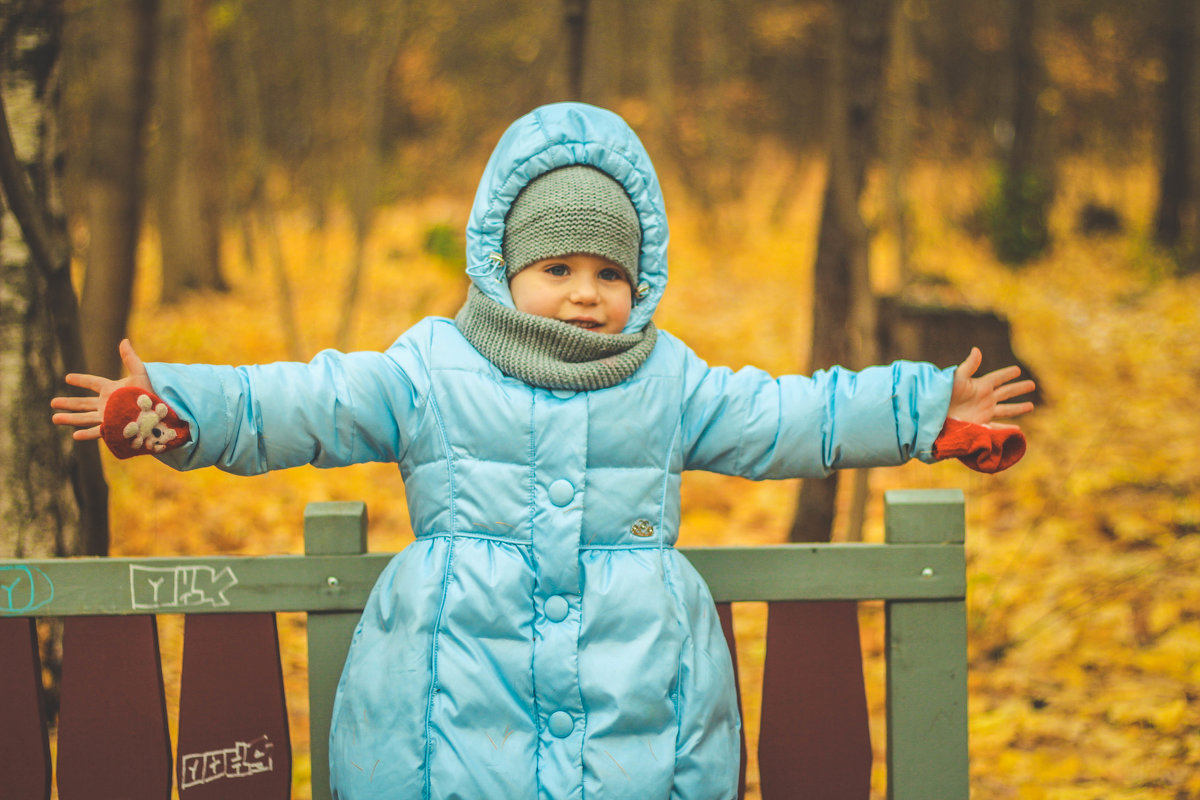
[{"x": 586, "y": 324}]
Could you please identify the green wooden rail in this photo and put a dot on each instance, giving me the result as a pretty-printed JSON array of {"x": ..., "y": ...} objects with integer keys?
[{"x": 919, "y": 573}]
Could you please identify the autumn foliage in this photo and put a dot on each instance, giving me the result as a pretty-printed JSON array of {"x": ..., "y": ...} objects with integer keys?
[{"x": 1084, "y": 600}]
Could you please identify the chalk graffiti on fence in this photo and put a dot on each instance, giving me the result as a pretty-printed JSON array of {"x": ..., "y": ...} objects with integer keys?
[
  {"x": 23, "y": 588},
  {"x": 240, "y": 761},
  {"x": 156, "y": 588}
]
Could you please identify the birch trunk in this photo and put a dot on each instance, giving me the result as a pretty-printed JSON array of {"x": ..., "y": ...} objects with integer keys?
[{"x": 52, "y": 495}]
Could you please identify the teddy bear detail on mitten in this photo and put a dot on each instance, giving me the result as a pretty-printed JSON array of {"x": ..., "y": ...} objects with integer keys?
[{"x": 137, "y": 422}]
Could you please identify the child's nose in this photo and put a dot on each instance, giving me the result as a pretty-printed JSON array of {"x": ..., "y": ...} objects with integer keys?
[{"x": 585, "y": 289}]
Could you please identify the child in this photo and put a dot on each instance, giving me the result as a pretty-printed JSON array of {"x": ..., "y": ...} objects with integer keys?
[{"x": 542, "y": 637}]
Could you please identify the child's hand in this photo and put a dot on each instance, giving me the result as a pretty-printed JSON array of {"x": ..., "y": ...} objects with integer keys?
[
  {"x": 981, "y": 400},
  {"x": 88, "y": 412}
]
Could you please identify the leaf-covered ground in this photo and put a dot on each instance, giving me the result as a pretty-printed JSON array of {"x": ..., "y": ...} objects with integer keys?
[{"x": 1084, "y": 608}]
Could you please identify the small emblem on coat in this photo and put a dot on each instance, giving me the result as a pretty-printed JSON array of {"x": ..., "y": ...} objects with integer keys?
[{"x": 643, "y": 527}]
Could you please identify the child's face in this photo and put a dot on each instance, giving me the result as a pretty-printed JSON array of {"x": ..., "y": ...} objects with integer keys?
[{"x": 587, "y": 291}]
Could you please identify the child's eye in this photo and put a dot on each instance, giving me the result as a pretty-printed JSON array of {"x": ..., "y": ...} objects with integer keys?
[
  {"x": 610, "y": 274},
  {"x": 558, "y": 269}
]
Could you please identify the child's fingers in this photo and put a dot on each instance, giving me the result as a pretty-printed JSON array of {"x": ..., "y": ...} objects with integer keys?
[
  {"x": 86, "y": 434},
  {"x": 84, "y": 381},
  {"x": 78, "y": 419},
  {"x": 1011, "y": 390},
  {"x": 91, "y": 403},
  {"x": 133, "y": 363},
  {"x": 1001, "y": 376},
  {"x": 1005, "y": 410},
  {"x": 971, "y": 363}
]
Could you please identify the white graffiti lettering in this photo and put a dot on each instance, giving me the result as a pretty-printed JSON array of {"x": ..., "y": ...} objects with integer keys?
[
  {"x": 156, "y": 588},
  {"x": 240, "y": 761}
]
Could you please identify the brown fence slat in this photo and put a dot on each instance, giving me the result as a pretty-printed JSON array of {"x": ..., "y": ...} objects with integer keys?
[
  {"x": 233, "y": 725},
  {"x": 725, "y": 613},
  {"x": 815, "y": 740},
  {"x": 24, "y": 748},
  {"x": 112, "y": 727}
]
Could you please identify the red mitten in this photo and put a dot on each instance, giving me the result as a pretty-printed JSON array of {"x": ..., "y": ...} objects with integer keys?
[
  {"x": 137, "y": 422},
  {"x": 981, "y": 448}
]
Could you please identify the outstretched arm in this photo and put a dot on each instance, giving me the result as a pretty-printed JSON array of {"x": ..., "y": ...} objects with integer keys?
[
  {"x": 87, "y": 413},
  {"x": 980, "y": 400},
  {"x": 749, "y": 424},
  {"x": 338, "y": 409}
]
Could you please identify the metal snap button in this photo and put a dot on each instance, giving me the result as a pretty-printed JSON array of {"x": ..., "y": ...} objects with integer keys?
[{"x": 643, "y": 528}]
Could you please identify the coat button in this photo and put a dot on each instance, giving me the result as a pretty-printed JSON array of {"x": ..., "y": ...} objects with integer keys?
[
  {"x": 562, "y": 394},
  {"x": 557, "y": 608},
  {"x": 643, "y": 528},
  {"x": 561, "y": 724},
  {"x": 561, "y": 492}
]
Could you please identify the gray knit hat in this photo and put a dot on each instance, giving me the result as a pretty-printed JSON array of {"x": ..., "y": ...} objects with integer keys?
[{"x": 574, "y": 209}]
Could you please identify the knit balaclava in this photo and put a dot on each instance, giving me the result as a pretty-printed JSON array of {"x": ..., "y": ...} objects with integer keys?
[{"x": 574, "y": 209}]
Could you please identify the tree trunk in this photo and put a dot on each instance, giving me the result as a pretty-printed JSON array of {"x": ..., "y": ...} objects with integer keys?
[
  {"x": 575, "y": 19},
  {"x": 378, "y": 46},
  {"x": 601, "y": 80},
  {"x": 121, "y": 34},
  {"x": 188, "y": 159},
  {"x": 1027, "y": 83},
  {"x": 902, "y": 106},
  {"x": 1019, "y": 215},
  {"x": 53, "y": 499},
  {"x": 1174, "y": 188},
  {"x": 323, "y": 115},
  {"x": 844, "y": 309},
  {"x": 256, "y": 212},
  {"x": 719, "y": 162},
  {"x": 659, "y": 21},
  {"x": 1191, "y": 232}
]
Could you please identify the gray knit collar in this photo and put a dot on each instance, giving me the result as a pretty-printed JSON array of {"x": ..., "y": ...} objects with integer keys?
[{"x": 548, "y": 353}]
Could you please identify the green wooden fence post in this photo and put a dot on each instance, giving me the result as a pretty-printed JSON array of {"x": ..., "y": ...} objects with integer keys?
[
  {"x": 927, "y": 660},
  {"x": 329, "y": 529}
]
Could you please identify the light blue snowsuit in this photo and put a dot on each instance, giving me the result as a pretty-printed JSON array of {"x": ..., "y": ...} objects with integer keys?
[{"x": 542, "y": 638}]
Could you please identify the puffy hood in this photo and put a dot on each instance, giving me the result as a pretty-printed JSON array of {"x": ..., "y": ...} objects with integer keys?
[{"x": 554, "y": 136}]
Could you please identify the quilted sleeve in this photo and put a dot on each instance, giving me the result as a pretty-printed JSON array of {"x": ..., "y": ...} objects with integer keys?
[
  {"x": 338, "y": 409},
  {"x": 750, "y": 424}
]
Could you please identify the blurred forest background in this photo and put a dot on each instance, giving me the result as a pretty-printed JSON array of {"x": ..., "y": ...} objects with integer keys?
[{"x": 852, "y": 181}]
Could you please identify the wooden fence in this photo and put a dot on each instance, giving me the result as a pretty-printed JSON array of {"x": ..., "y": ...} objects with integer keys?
[{"x": 233, "y": 738}]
